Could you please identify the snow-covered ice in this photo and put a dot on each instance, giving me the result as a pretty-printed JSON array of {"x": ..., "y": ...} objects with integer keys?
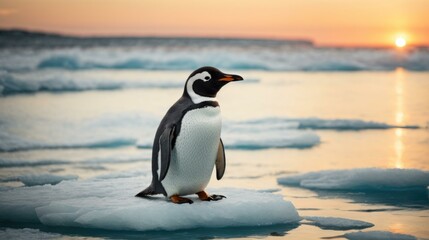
[
  {"x": 336, "y": 223},
  {"x": 110, "y": 204},
  {"x": 378, "y": 235},
  {"x": 361, "y": 179}
]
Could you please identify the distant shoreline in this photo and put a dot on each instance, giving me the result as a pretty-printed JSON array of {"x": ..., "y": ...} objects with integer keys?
[{"x": 18, "y": 37}]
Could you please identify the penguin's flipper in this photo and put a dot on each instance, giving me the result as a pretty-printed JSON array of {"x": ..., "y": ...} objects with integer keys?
[
  {"x": 166, "y": 145},
  {"x": 220, "y": 161},
  {"x": 148, "y": 191}
]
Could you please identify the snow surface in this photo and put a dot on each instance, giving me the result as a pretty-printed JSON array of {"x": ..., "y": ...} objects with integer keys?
[
  {"x": 378, "y": 235},
  {"x": 336, "y": 223},
  {"x": 110, "y": 204},
  {"x": 361, "y": 179},
  {"x": 39, "y": 179}
]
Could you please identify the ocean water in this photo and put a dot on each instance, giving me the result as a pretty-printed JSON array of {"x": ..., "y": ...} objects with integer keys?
[{"x": 80, "y": 113}]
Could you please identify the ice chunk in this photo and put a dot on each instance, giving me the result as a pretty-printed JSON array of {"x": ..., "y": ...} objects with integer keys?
[
  {"x": 336, "y": 223},
  {"x": 361, "y": 179},
  {"x": 378, "y": 235},
  {"x": 39, "y": 179},
  {"x": 110, "y": 204}
]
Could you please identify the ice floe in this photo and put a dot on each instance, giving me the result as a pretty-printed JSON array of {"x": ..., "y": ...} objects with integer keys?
[
  {"x": 110, "y": 204},
  {"x": 378, "y": 235},
  {"x": 336, "y": 223},
  {"x": 361, "y": 179}
]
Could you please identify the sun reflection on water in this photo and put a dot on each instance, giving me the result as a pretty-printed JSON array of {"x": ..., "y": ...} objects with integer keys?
[{"x": 399, "y": 117}]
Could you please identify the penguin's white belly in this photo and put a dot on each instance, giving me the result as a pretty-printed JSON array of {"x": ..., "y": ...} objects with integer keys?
[{"x": 194, "y": 154}]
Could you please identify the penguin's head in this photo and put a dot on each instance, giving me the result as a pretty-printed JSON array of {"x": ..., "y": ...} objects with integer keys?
[{"x": 204, "y": 83}]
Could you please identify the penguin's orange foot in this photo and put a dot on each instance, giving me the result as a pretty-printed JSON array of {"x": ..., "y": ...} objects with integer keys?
[
  {"x": 204, "y": 197},
  {"x": 179, "y": 200}
]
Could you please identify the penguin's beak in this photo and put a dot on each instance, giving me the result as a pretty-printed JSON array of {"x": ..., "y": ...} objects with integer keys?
[{"x": 230, "y": 78}]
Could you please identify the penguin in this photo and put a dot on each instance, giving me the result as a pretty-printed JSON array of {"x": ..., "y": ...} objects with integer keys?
[{"x": 187, "y": 143}]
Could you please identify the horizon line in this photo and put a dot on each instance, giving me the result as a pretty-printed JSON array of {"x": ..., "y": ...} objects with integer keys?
[{"x": 166, "y": 36}]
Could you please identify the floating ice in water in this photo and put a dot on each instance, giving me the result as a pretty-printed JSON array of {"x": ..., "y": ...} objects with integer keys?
[
  {"x": 335, "y": 223},
  {"x": 39, "y": 179},
  {"x": 361, "y": 179},
  {"x": 378, "y": 235},
  {"x": 110, "y": 204}
]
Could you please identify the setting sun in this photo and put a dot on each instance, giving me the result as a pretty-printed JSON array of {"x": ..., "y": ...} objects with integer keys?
[{"x": 400, "y": 42}]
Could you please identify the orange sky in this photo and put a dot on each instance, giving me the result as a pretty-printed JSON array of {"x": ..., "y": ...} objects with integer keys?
[{"x": 327, "y": 22}]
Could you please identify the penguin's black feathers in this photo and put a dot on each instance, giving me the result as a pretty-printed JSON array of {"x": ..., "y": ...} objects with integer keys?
[
  {"x": 220, "y": 161},
  {"x": 166, "y": 145}
]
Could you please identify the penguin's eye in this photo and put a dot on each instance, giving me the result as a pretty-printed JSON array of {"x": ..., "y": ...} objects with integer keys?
[{"x": 207, "y": 78}]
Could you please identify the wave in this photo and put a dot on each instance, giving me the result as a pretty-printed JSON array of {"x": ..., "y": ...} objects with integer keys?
[
  {"x": 363, "y": 179},
  {"x": 189, "y": 54},
  {"x": 69, "y": 81}
]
